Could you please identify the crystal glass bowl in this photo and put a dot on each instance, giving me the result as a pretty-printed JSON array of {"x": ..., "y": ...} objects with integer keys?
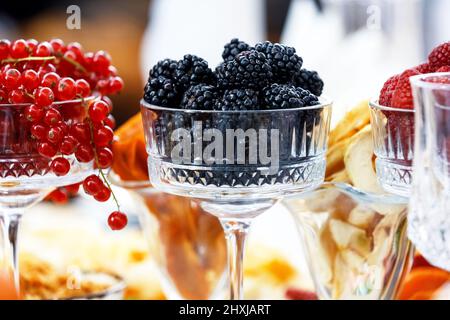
[
  {"x": 393, "y": 136},
  {"x": 355, "y": 242}
]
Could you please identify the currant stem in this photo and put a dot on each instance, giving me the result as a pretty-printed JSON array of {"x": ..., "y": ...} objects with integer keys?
[
  {"x": 109, "y": 187},
  {"x": 75, "y": 63},
  {"x": 28, "y": 59}
]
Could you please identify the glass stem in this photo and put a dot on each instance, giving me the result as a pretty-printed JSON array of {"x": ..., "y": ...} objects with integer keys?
[
  {"x": 9, "y": 272},
  {"x": 236, "y": 231}
]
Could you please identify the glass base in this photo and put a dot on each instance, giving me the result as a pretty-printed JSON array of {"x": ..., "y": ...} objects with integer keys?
[{"x": 394, "y": 177}]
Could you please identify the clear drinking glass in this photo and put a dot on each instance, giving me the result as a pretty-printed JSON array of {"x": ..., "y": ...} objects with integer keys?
[
  {"x": 238, "y": 163},
  {"x": 393, "y": 136},
  {"x": 26, "y": 178},
  {"x": 355, "y": 242},
  {"x": 429, "y": 219},
  {"x": 187, "y": 244}
]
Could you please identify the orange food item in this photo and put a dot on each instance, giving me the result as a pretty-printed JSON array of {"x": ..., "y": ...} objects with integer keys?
[
  {"x": 130, "y": 156},
  {"x": 422, "y": 283}
]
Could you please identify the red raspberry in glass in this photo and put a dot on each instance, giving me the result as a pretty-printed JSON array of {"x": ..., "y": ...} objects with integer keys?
[
  {"x": 44, "y": 96},
  {"x": 11, "y": 79},
  {"x": 444, "y": 69},
  {"x": 55, "y": 135},
  {"x": 83, "y": 88},
  {"x": 81, "y": 132},
  {"x": 30, "y": 80},
  {"x": 52, "y": 117},
  {"x": 115, "y": 84},
  {"x": 4, "y": 49},
  {"x": 103, "y": 194},
  {"x": 424, "y": 68},
  {"x": 117, "y": 220},
  {"x": 68, "y": 145},
  {"x": 60, "y": 166},
  {"x": 66, "y": 89},
  {"x": 57, "y": 45},
  {"x": 98, "y": 111},
  {"x": 17, "y": 96},
  {"x": 84, "y": 153},
  {"x": 440, "y": 56},
  {"x": 402, "y": 96},
  {"x": 39, "y": 131},
  {"x": 104, "y": 158},
  {"x": 46, "y": 149},
  {"x": 92, "y": 185},
  {"x": 19, "y": 49},
  {"x": 43, "y": 49},
  {"x": 103, "y": 136},
  {"x": 50, "y": 80}
]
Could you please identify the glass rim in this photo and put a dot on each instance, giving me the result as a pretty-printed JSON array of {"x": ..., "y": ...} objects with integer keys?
[
  {"x": 55, "y": 103},
  {"x": 374, "y": 104},
  {"x": 324, "y": 102},
  {"x": 419, "y": 80},
  {"x": 131, "y": 184}
]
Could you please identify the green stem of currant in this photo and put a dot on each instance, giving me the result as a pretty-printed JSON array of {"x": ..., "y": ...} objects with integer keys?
[
  {"x": 75, "y": 64},
  {"x": 109, "y": 187},
  {"x": 28, "y": 59}
]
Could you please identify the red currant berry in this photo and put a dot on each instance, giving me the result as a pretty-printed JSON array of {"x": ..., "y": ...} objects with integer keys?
[
  {"x": 30, "y": 79},
  {"x": 44, "y": 49},
  {"x": 33, "y": 113},
  {"x": 103, "y": 136},
  {"x": 11, "y": 79},
  {"x": 52, "y": 116},
  {"x": 55, "y": 135},
  {"x": 110, "y": 122},
  {"x": 101, "y": 62},
  {"x": 81, "y": 132},
  {"x": 88, "y": 59},
  {"x": 104, "y": 158},
  {"x": 83, "y": 88},
  {"x": 19, "y": 49},
  {"x": 117, "y": 220},
  {"x": 103, "y": 86},
  {"x": 50, "y": 80},
  {"x": 60, "y": 166},
  {"x": 39, "y": 131},
  {"x": 46, "y": 149},
  {"x": 72, "y": 189},
  {"x": 59, "y": 196},
  {"x": 57, "y": 45},
  {"x": 66, "y": 89},
  {"x": 4, "y": 49},
  {"x": 103, "y": 194},
  {"x": 77, "y": 49},
  {"x": 92, "y": 185},
  {"x": 115, "y": 84},
  {"x": 98, "y": 111},
  {"x": 17, "y": 96},
  {"x": 32, "y": 44},
  {"x": 44, "y": 96},
  {"x": 112, "y": 71},
  {"x": 3, "y": 96},
  {"x": 84, "y": 153},
  {"x": 68, "y": 145}
]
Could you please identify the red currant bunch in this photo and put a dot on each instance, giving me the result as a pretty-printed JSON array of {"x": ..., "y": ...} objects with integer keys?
[{"x": 68, "y": 111}]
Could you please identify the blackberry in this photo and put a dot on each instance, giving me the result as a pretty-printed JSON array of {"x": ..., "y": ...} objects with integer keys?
[
  {"x": 308, "y": 80},
  {"x": 283, "y": 60},
  {"x": 238, "y": 99},
  {"x": 233, "y": 48},
  {"x": 192, "y": 70},
  {"x": 200, "y": 97},
  {"x": 249, "y": 69},
  {"x": 164, "y": 68},
  {"x": 161, "y": 92},
  {"x": 308, "y": 98},
  {"x": 281, "y": 96}
]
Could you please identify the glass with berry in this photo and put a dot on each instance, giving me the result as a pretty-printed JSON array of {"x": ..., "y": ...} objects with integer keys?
[
  {"x": 54, "y": 129},
  {"x": 429, "y": 221},
  {"x": 392, "y": 119},
  {"x": 237, "y": 139}
]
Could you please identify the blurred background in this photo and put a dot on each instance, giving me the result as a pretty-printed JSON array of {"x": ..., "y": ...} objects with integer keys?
[{"x": 353, "y": 44}]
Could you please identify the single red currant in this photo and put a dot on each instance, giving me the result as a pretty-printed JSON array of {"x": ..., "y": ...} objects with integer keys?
[
  {"x": 19, "y": 49},
  {"x": 11, "y": 79},
  {"x": 44, "y": 96},
  {"x": 30, "y": 80},
  {"x": 83, "y": 88},
  {"x": 17, "y": 96},
  {"x": 72, "y": 189},
  {"x": 44, "y": 49},
  {"x": 57, "y": 45},
  {"x": 101, "y": 62},
  {"x": 50, "y": 80},
  {"x": 55, "y": 135},
  {"x": 103, "y": 194},
  {"x": 52, "y": 116},
  {"x": 46, "y": 149},
  {"x": 103, "y": 136},
  {"x": 115, "y": 84},
  {"x": 81, "y": 132},
  {"x": 92, "y": 185},
  {"x": 39, "y": 131},
  {"x": 77, "y": 49},
  {"x": 59, "y": 196},
  {"x": 117, "y": 220},
  {"x": 98, "y": 111},
  {"x": 110, "y": 122},
  {"x": 60, "y": 166},
  {"x": 32, "y": 44},
  {"x": 4, "y": 49},
  {"x": 33, "y": 113},
  {"x": 104, "y": 158},
  {"x": 68, "y": 145},
  {"x": 84, "y": 153},
  {"x": 66, "y": 89}
]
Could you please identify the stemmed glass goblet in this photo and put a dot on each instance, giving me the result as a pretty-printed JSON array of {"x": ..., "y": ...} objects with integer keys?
[
  {"x": 26, "y": 178},
  {"x": 238, "y": 163}
]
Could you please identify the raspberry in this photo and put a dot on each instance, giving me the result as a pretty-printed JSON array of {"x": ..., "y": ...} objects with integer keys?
[
  {"x": 440, "y": 56},
  {"x": 386, "y": 93},
  {"x": 444, "y": 69},
  {"x": 402, "y": 97},
  {"x": 424, "y": 68}
]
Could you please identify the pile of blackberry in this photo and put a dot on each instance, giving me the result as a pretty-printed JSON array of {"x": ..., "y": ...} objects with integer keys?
[{"x": 266, "y": 76}]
